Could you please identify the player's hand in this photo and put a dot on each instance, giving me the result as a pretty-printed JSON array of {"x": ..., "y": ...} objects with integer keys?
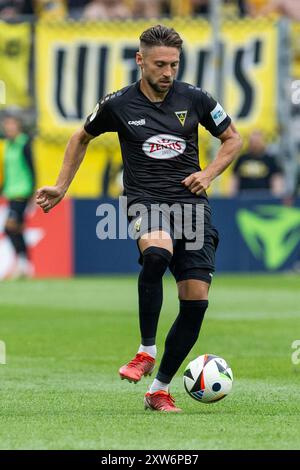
[
  {"x": 197, "y": 182},
  {"x": 48, "y": 196}
]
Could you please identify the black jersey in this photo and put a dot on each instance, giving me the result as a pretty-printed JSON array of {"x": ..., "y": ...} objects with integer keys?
[
  {"x": 159, "y": 142},
  {"x": 255, "y": 172}
]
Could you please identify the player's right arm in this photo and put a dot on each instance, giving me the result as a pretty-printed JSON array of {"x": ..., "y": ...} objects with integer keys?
[
  {"x": 48, "y": 196},
  {"x": 100, "y": 121}
]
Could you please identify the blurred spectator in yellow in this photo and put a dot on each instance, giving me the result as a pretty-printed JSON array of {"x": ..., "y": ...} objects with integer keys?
[
  {"x": 255, "y": 7},
  {"x": 146, "y": 9},
  {"x": 257, "y": 171},
  {"x": 288, "y": 8},
  {"x": 202, "y": 7},
  {"x": 106, "y": 10},
  {"x": 235, "y": 7},
  {"x": 50, "y": 9}
]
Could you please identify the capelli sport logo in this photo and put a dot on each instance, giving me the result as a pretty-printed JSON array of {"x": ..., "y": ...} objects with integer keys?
[
  {"x": 164, "y": 146},
  {"x": 140, "y": 122}
]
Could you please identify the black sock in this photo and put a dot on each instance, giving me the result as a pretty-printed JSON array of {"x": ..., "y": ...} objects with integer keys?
[
  {"x": 155, "y": 263},
  {"x": 17, "y": 241},
  {"x": 181, "y": 337}
]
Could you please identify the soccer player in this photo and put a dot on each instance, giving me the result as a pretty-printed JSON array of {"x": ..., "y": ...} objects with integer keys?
[
  {"x": 18, "y": 188},
  {"x": 157, "y": 122}
]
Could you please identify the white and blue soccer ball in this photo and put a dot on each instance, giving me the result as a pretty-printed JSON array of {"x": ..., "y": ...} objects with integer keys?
[{"x": 208, "y": 378}]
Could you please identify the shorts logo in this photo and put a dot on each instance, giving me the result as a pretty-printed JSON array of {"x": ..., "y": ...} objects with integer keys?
[
  {"x": 164, "y": 146},
  {"x": 181, "y": 116},
  {"x": 137, "y": 224},
  {"x": 218, "y": 114}
]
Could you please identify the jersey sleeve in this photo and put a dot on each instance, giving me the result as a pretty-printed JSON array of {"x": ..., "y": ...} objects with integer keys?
[
  {"x": 211, "y": 114},
  {"x": 101, "y": 120}
]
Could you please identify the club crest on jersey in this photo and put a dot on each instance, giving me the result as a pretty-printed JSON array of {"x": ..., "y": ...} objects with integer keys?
[
  {"x": 164, "y": 146},
  {"x": 181, "y": 116}
]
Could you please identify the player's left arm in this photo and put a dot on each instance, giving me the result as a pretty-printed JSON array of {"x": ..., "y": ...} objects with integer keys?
[{"x": 231, "y": 145}]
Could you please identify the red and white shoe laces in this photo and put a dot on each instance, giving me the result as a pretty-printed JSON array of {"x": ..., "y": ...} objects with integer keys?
[
  {"x": 141, "y": 365},
  {"x": 160, "y": 401}
]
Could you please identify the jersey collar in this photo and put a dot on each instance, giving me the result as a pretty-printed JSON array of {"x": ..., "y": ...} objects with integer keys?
[{"x": 165, "y": 100}]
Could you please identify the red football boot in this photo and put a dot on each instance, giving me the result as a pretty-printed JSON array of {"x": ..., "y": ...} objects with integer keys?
[
  {"x": 160, "y": 401},
  {"x": 142, "y": 364}
]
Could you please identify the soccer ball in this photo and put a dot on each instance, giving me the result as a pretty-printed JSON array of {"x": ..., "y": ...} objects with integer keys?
[{"x": 208, "y": 378}]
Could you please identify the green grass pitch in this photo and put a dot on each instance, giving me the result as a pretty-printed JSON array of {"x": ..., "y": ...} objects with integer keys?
[{"x": 66, "y": 340}]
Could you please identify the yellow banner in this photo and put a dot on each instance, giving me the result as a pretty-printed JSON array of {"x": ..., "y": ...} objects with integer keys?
[
  {"x": 295, "y": 42},
  {"x": 77, "y": 63},
  {"x": 250, "y": 74},
  {"x": 15, "y": 42},
  {"x": 100, "y": 174}
]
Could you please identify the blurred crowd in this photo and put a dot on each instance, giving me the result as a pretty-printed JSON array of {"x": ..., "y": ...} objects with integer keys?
[{"x": 124, "y": 9}]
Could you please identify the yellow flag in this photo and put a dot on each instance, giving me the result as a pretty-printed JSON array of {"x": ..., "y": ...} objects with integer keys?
[{"x": 14, "y": 64}]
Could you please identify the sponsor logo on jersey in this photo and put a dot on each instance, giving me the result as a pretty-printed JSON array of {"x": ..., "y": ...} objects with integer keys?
[
  {"x": 218, "y": 114},
  {"x": 141, "y": 122},
  {"x": 163, "y": 146},
  {"x": 181, "y": 116}
]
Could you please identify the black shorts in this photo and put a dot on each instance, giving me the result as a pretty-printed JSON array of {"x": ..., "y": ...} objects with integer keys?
[
  {"x": 193, "y": 250},
  {"x": 17, "y": 209}
]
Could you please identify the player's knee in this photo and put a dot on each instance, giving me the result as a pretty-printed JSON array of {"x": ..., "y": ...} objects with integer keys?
[
  {"x": 11, "y": 227},
  {"x": 194, "y": 284},
  {"x": 155, "y": 262},
  {"x": 193, "y": 293}
]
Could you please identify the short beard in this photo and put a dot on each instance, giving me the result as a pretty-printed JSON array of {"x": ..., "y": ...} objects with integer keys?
[{"x": 157, "y": 88}]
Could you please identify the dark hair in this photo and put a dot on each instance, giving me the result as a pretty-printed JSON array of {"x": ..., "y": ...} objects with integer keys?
[{"x": 160, "y": 35}]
